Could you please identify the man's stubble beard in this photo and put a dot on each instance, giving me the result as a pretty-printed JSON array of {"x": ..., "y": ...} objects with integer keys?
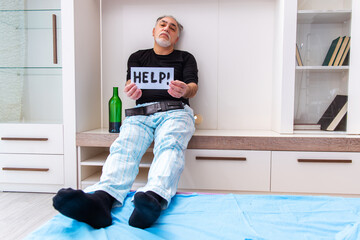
[{"x": 162, "y": 42}]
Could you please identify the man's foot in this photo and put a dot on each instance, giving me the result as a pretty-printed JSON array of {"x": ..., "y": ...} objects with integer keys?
[
  {"x": 93, "y": 209},
  {"x": 147, "y": 209}
]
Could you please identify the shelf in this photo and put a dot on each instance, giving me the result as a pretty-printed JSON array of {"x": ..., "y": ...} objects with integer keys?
[
  {"x": 32, "y": 71},
  {"x": 318, "y": 132},
  {"x": 31, "y": 68},
  {"x": 92, "y": 179},
  {"x": 321, "y": 17},
  {"x": 20, "y": 20},
  {"x": 34, "y": 122},
  {"x": 245, "y": 140},
  {"x": 322, "y": 68},
  {"x": 29, "y": 10},
  {"x": 97, "y": 160},
  {"x": 100, "y": 159},
  {"x": 140, "y": 180},
  {"x": 147, "y": 160}
]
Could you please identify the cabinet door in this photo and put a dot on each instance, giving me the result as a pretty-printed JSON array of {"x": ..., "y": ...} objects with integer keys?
[
  {"x": 30, "y": 62},
  {"x": 43, "y": 45},
  {"x": 32, "y": 38},
  {"x": 323, "y": 71},
  {"x": 226, "y": 170},
  {"x": 315, "y": 172}
]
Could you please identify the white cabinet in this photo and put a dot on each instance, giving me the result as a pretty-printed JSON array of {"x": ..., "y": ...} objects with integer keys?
[
  {"x": 317, "y": 83},
  {"x": 226, "y": 170},
  {"x": 32, "y": 126},
  {"x": 30, "y": 62},
  {"x": 270, "y": 164},
  {"x": 315, "y": 172},
  {"x": 31, "y": 157},
  {"x": 248, "y": 79}
]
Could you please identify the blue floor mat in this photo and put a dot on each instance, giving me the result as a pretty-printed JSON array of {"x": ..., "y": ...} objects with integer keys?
[{"x": 230, "y": 216}]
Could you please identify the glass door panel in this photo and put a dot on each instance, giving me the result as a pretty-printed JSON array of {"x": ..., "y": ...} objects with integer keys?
[{"x": 30, "y": 62}]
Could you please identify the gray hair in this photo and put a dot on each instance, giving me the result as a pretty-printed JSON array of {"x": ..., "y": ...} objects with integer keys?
[{"x": 180, "y": 27}]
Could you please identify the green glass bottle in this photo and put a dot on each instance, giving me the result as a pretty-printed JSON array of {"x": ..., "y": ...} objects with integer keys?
[{"x": 115, "y": 106}]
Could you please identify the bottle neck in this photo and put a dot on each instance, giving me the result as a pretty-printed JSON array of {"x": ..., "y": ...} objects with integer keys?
[{"x": 115, "y": 91}]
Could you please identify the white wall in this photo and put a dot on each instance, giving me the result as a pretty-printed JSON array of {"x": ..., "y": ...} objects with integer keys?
[
  {"x": 246, "y": 35},
  {"x": 231, "y": 40}
]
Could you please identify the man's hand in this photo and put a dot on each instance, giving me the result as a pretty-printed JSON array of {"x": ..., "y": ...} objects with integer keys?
[
  {"x": 132, "y": 91},
  {"x": 180, "y": 89}
]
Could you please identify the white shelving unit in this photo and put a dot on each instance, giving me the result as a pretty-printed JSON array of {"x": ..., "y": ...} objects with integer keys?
[
  {"x": 33, "y": 156},
  {"x": 318, "y": 24},
  {"x": 91, "y": 165},
  {"x": 248, "y": 76}
]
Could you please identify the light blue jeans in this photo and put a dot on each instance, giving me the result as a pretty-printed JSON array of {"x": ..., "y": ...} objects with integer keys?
[{"x": 171, "y": 131}]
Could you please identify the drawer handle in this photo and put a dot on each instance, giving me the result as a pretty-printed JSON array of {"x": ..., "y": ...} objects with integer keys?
[
  {"x": 23, "y": 139},
  {"x": 25, "y": 169},
  {"x": 324, "y": 160},
  {"x": 221, "y": 158}
]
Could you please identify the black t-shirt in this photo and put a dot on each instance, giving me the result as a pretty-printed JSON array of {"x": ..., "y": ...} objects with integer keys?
[{"x": 185, "y": 69}]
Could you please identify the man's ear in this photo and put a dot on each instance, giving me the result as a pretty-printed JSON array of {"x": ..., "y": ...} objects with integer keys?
[
  {"x": 153, "y": 33},
  {"x": 177, "y": 39}
]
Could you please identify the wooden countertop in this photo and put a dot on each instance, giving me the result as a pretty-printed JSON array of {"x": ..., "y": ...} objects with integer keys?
[{"x": 246, "y": 140}]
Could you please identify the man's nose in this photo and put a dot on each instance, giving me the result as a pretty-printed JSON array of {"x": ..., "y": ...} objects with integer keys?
[{"x": 166, "y": 28}]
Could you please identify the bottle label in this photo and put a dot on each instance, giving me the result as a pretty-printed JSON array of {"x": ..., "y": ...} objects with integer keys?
[{"x": 114, "y": 127}]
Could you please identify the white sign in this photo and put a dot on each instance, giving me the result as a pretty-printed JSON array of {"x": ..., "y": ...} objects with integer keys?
[{"x": 152, "y": 78}]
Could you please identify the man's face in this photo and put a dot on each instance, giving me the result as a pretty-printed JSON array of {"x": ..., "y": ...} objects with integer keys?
[{"x": 166, "y": 32}]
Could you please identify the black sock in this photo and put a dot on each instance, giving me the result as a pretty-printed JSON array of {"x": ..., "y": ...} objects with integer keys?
[
  {"x": 155, "y": 195},
  {"x": 91, "y": 208},
  {"x": 147, "y": 209}
]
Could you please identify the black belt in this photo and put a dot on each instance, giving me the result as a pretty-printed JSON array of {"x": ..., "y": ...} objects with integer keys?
[{"x": 154, "y": 108}]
